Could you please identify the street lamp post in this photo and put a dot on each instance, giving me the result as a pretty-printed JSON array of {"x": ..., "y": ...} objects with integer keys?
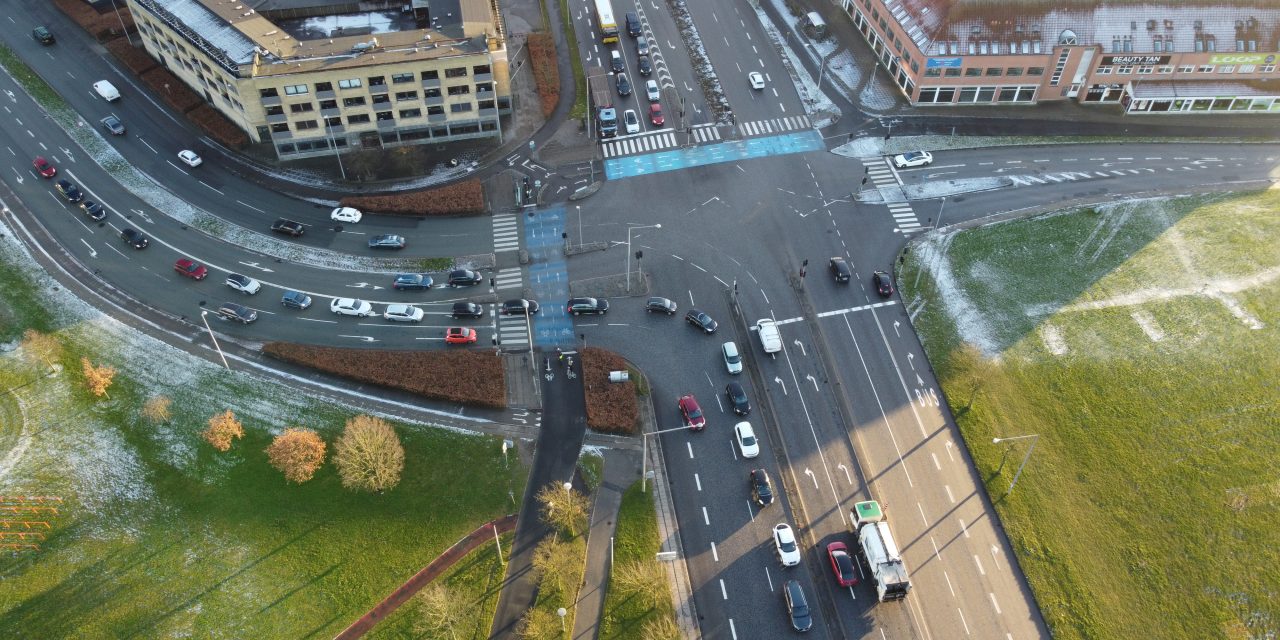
[
  {"x": 1034, "y": 438},
  {"x": 822, "y": 67},
  {"x": 328, "y": 129},
  {"x": 940, "y": 208},
  {"x": 629, "y": 230},
  {"x": 562, "y": 612},
  {"x": 121, "y": 19},
  {"x": 204, "y": 315},
  {"x": 579, "y": 207}
]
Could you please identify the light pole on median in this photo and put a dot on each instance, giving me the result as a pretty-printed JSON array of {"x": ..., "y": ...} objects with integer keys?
[
  {"x": 629, "y": 230},
  {"x": 1034, "y": 438},
  {"x": 204, "y": 315}
]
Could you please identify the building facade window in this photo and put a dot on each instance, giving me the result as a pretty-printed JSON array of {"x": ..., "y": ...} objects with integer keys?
[
  {"x": 268, "y": 93},
  {"x": 461, "y": 107},
  {"x": 1146, "y": 69},
  {"x": 481, "y": 68},
  {"x": 280, "y": 127},
  {"x": 401, "y": 78},
  {"x": 952, "y": 72},
  {"x": 1035, "y": 71},
  {"x": 973, "y": 72},
  {"x": 436, "y": 110},
  {"x": 933, "y": 73},
  {"x": 432, "y": 93},
  {"x": 306, "y": 125},
  {"x": 1013, "y": 71},
  {"x": 324, "y": 86},
  {"x": 404, "y": 96},
  {"x": 377, "y": 81},
  {"x": 275, "y": 110},
  {"x": 358, "y": 119},
  {"x": 382, "y": 98},
  {"x": 296, "y": 90},
  {"x": 410, "y": 113},
  {"x": 431, "y": 75},
  {"x": 385, "y": 115},
  {"x": 460, "y": 90},
  {"x": 456, "y": 72},
  {"x": 350, "y": 83},
  {"x": 994, "y": 71},
  {"x": 353, "y": 102}
]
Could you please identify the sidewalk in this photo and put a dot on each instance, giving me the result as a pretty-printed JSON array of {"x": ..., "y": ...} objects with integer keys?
[{"x": 621, "y": 468}]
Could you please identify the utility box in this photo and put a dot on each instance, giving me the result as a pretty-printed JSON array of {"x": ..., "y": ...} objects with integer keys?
[{"x": 619, "y": 376}]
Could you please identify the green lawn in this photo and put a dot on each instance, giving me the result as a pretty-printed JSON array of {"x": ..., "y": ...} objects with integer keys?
[
  {"x": 636, "y": 539},
  {"x": 1139, "y": 342},
  {"x": 160, "y": 536}
]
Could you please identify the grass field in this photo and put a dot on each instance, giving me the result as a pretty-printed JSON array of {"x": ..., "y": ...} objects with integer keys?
[
  {"x": 636, "y": 539},
  {"x": 159, "y": 536},
  {"x": 1139, "y": 342}
]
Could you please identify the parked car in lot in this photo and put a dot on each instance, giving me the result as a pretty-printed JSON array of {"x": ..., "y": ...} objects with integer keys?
[
  {"x": 134, "y": 238},
  {"x": 237, "y": 313},
  {"x": 578, "y": 306},
  {"x": 44, "y": 167},
  {"x": 467, "y": 310},
  {"x": 460, "y": 335},
  {"x": 402, "y": 313},
  {"x": 189, "y": 268},
  {"x": 913, "y": 159},
  {"x": 288, "y": 227},
  {"x": 691, "y": 412},
  {"x": 296, "y": 300},
  {"x": 68, "y": 191},
  {"x": 386, "y": 241},
  {"x": 660, "y": 305},
  {"x": 748, "y": 446},
  {"x": 842, "y": 564},
  {"x": 243, "y": 284},
  {"x": 761, "y": 489},
  {"x": 351, "y": 307},
  {"x": 346, "y": 214},
  {"x": 464, "y": 278},
  {"x": 737, "y": 398},
  {"x": 93, "y": 210},
  {"x": 412, "y": 282},
  {"x": 113, "y": 124},
  {"x": 797, "y": 606},
  {"x": 883, "y": 283},
  {"x": 701, "y": 321},
  {"x": 190, "y": 158},
  {"x": 519, "y": 307},
  {"x": 840, "y": 269}
]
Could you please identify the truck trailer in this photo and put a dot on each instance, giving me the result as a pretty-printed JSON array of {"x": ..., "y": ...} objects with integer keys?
[
  {"x": 602, "y": 103},
  {"x": 877, "y": 548}
]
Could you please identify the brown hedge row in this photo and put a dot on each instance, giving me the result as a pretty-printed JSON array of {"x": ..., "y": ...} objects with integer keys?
[
  {"x": 455, "y": 199},
  {"x": 172, "y": 90},
  {"x": 135, "y": 58},
  {"x": 103, "y": 26},
  {"x": 611, "y": 406},
  {"x": 542, "y": 57},
  {"x": 467, "y": 377},
  {"x": 218, "y": 127}
]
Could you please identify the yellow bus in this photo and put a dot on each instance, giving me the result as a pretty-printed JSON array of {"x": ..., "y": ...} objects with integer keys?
[{"x": 608, "y": 26}]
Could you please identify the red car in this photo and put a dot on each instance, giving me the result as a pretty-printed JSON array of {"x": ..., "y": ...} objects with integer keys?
[
  {"x": 842, "y": 564},
  {"x": 692, "y": 413},
  {"x": 44, "y": 168},
  {"x": 655, "y": 115},
  {"x": 191, "y": 269},
  {"x": 459, "y": 335}
]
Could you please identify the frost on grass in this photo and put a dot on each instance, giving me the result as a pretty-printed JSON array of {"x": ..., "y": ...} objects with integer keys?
[
  {"x": 970, "y": 320},
  {"x": 701, "y": 62},
  {"x": 822, "y": 111}
]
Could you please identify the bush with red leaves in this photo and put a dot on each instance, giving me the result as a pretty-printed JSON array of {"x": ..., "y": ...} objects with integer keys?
[
  {"x": 218, "y": 127},
  {"x": 466, "y": 377},
  {"x": 135, "y": 58},
  {"x": 172, "y": 90},
  {"x": 542, "y": 57},
  {"x": 461, "y": 198},
  {"x": 611, "y": 406}
]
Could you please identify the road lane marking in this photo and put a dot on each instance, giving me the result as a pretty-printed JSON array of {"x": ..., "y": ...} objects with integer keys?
[
  {"x": 733, "y": 630},
  {"x": 690, "y": 446},
  {"x": 950, "y": 497},
  {"x": 705, "y": 518},
  {"x": 962, "y": 621},
  {"x": 994, "y": 603},
  {"x": 964, "y": 529},
  {"x": 714, "y": 554},
  {"x": 769, "y": 577},
  {"x": 697, "y": 481},
  {"x": 926, "y": 520},
  {"x": 978, "y": 561},
  {"x": 948, "y": 578},
  {"x": 723, "y": 592},
  {"x": 937, "y": 465}
]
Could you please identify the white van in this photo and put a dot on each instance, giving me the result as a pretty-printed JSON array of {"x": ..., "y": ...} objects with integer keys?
[{"x": 107, "y": 90}]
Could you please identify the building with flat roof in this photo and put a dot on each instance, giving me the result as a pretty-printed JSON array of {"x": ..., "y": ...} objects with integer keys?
[
  {"x": 1191, "y": 56},
  {"x": 311, "y": 77}
]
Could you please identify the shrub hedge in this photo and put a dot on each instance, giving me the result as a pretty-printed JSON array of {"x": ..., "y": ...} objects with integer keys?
[
  {"x": 611, "y": 406},
  {"x": 136, "y": 59},
  {"x": 461, "y": 198},
  {"x": 172, "y": 90},
  {"x": 542, "y": 57},
  {"x": 467, "y": 377},
  {"x": 218, "y": 127}
]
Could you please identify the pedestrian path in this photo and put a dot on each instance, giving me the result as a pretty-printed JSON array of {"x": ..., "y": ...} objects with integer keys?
[
  {"x": 773, "y": 125},
  {"x": 658, "y": 140},
  {"x": 904, "y": 217},
  {"x": 506, "y": 233},
  {"x": 733, "y": 151}
]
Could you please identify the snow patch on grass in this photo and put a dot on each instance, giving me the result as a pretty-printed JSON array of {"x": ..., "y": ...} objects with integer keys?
[
  {"x": 971, "y": 322},
  {"x": 1148, "y": 325},
  {"x": 1051, "y": 335}
]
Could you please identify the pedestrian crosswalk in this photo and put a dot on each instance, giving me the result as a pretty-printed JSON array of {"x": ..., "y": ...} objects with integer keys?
[
  {"x": 506, "y": 233},
  {"x": 773, "y": 125},
  {"x": 513, "y": 331},
  {"x": 659, "y": 140},
  {"x": 904, "y": 217},
  {"x": 1072, "y": 176},
  {"x": 511, "y": 278}
]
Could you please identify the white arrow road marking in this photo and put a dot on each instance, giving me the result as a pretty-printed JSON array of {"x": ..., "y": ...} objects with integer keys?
[
  {"x": 18, "y": 176},
  {"x": 895, "y": 328},
  {"x": 995, "y": 551},
  {"x": 257, "y": 266},
  {"x": 812, "y": 476},
  {"x": 365, "y": 338},
  {"x": 846, "y": 472},
  {"x": 91, "y": 251},
  {"x": 778, "y": 379},
  {"x": 140, "y": 214},
  {"x": 801, "y": 345},
  {"x": 814, "y": 381}
]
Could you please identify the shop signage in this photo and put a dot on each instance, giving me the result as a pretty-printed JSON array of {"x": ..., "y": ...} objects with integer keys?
[
  {"x": 1119, "y": 60},
  {"x": 934, "y": 63},
  {"x": 1243, "y": 58}
]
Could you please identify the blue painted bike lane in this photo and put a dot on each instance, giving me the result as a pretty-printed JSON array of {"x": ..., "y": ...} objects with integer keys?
[
  {"x": 549, "y": 277},
  {"x": 798, "y": 142}
]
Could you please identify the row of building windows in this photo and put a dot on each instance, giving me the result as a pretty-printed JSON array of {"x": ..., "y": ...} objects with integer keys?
[
  {"x": 976, "y": 95},
  {"x": 376, "y": 83},
  {"x": 1143, "y": 70},
  {"x": 381, "y": 98},
  {"x": 973, "y": 72},
  {"x": 364, "y": 118}
]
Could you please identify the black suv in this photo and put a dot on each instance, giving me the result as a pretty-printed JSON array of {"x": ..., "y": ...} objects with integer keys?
[
  {"x": 520, "y": 307},
  {"x": 761, "y": 492},
  {"x": 464, "y": 278},
  {"x": 237, "y": 312},
  {"x": 633, "y": 24},
  {"x": 93, "y": 210},
  {"x": 467, "y": 310},
  {"x": 701, "y": 321},
  {"x": 737, "y": 398},
  {"x": 134, "y": 238},
  {"x": 624, "y": 86},
  {"x": 578, "y": 306},
  {"x": 68, "y": 191},
  {"x": 840, "y": 269},
  {"x": 661, "y": 305},
  {"x": 288, "y": 227},
  {"x": 42, "y": 35},
  {"x": 797, "y": 606},
  {"x": 644, "y": 66}
]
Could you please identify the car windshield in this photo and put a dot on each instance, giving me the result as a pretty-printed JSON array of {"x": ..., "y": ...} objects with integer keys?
[
  {"x": 748, "y": 440},
  {"x": 693, "y": 409},
  {"x": 788, "y": 546}
]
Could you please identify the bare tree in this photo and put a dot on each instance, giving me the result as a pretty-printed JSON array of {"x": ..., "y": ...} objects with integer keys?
[
  {"x": 364, "y": 162},
  {"x": 538, "y": 624},
  {"x": 223, "y": 427},
  {"x": 439, "y": 609},
  {"x": 660, "y": 628},
  {"x": 643, "y": 579},
  {"x": 42, "y": 347},
  {"x": 564, "y": 509},
  {"x": 556, "y": 565},
  {"x": 369, "y": 455},
  {"x": 156, "y": 409},
  {"x": 98, "y": 378},
  {"x": 297, "y": 453}
]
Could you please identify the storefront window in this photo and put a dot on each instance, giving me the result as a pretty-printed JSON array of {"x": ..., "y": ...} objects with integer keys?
[
  {"x": 968, "y": 94},
  {"x": 986, "y": 94}
]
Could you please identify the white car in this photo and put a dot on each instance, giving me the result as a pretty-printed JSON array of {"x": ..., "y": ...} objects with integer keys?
[
  {"x": 651, "y": 90},
  {"x": 351, "y": 307},
  {"x": 784, "y": 540},
  {"x": 747, "y": 443},
  {"x": 756, "y": 79},
  {"x": 732, "y": 359},
  {"x": 243, "y": 284},
  {"x": 346, "y": 214},
  {"x": 402, "y": 313},
  {"x": 632, "y": 121},
  {"x": 913, "y": 159},
  {"x": 190, "y": 158}
]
